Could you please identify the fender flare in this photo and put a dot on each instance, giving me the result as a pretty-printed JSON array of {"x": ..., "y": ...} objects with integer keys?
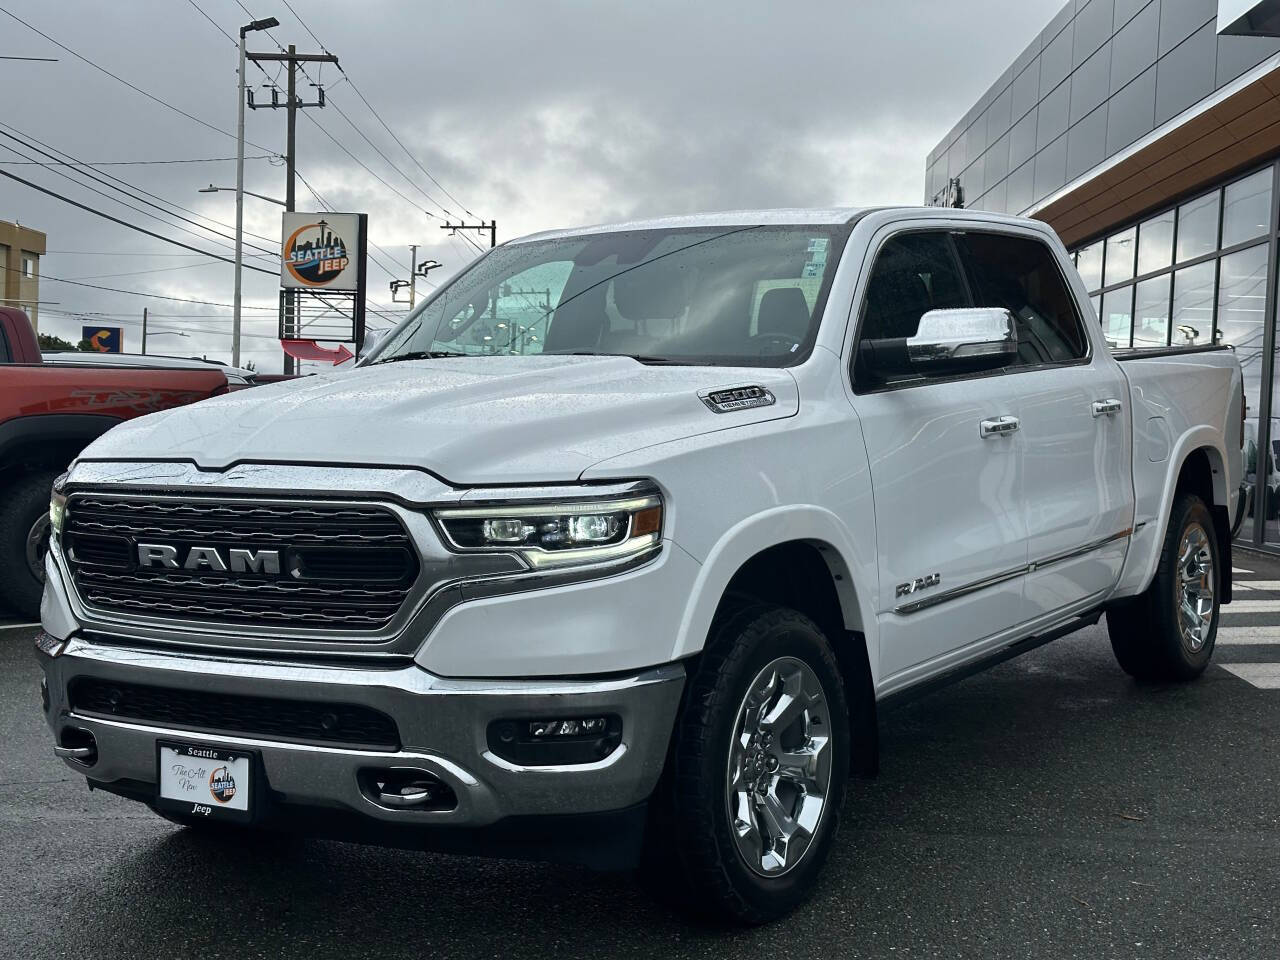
[
  {"x": 806, "y": 523},
  {"x": 48, "y": 428},
  {"x": 1198, "y": 438}
]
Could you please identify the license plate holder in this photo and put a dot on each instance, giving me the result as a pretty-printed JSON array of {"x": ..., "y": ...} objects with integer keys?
[{"x": 209, "y": 782}]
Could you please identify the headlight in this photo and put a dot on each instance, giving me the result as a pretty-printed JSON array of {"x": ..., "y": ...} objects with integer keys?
[
  {"x": 57, "y": 506},
  {"x": 558, "y": 534}
]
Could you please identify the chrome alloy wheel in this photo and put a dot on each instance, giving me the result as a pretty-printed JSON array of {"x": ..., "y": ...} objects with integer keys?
[
  {"x": 779, "y": 773},
  {"x": 1195, "y": 587}
]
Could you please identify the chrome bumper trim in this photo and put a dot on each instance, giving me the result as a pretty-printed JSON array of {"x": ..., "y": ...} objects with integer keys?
[{"x": 443, "y": 725}]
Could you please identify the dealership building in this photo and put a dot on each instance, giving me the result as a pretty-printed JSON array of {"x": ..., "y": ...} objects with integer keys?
[{"x": 1147, "y": 133}]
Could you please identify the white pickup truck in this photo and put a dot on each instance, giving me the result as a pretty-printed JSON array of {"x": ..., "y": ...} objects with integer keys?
[{"x": 611, "y": 549}]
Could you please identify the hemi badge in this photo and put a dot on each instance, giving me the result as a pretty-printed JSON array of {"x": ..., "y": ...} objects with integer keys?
[{"x": 737, "y": 398}]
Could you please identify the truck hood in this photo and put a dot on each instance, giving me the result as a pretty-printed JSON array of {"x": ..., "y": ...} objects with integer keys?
[{"x": 470, "y": 421}]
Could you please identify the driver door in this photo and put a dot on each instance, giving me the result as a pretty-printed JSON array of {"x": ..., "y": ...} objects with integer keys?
[{"x": 949, "y": 500}]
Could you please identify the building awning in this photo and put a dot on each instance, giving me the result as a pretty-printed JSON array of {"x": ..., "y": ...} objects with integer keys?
[{"x": 1232, "y": 131}]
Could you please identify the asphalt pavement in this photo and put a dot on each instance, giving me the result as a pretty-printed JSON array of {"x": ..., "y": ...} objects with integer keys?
[{"x": 1048, "y": 808}]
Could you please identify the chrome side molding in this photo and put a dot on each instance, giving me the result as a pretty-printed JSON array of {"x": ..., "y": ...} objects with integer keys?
[{"x": 915, "y": 606}]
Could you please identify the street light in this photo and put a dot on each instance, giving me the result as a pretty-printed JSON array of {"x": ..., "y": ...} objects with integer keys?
[
  {"x": 266, "y": 24},
  {"x": 212, "y": 189}
]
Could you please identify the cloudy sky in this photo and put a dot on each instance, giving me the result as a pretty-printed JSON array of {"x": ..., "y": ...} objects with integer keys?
[{"x": 539, "y": 113}]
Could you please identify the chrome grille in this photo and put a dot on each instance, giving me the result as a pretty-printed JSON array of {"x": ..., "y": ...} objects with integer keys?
[{"x": 345, "y": 567}]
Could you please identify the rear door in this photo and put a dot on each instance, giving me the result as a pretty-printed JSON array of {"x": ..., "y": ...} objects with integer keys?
[
  {"x": 1076, "y": 456},
  {"x": 949, "y": 504}
]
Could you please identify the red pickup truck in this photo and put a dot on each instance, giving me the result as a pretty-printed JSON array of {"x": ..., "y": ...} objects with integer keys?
[{"x": 48, "y": 414}]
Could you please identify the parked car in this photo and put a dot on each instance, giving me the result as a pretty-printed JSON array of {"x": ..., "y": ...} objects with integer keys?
[
  {"x": 48, "y": 413},
  {"x": 237, "y": 377},
  {"x": 621, "y": 571}
]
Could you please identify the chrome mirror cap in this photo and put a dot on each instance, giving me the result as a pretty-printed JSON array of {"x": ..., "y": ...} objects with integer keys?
[{"x": 985, "y": 336}]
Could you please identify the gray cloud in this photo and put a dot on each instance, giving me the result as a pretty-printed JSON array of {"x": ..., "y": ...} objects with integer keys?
[{"x": 540, "y": 114}]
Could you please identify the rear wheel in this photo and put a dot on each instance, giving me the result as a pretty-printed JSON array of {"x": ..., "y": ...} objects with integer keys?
[
  {"x": 1168, "y": 632},
  {"x": 760, "y": 761},
  {"x": 24, "y": 540}
]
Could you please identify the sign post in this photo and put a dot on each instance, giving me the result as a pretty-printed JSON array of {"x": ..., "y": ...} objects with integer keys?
[{"x": 322, "y": 279}]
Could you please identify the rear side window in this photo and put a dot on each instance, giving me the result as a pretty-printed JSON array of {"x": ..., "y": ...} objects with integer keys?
[
  {"x": 5, "y": 356},
  {"x": 1022, "y": 275}
]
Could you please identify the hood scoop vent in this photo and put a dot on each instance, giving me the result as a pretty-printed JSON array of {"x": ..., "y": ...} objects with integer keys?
[{"x": 730, "y": 399}]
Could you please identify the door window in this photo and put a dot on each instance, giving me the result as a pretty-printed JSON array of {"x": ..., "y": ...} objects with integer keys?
[
  {"x": 1022, "y": 275},
  {"x": 913, "y": 274}
]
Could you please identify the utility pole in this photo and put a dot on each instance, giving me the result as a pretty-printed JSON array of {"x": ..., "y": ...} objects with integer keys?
[
  {"x": 413, "y": 273},
  {"x": 291, "y": 105},
  {"x": 291, "y": 125},
  {"x": 266, "y": 24},
  {"x": 491, "y": 228},
  {"x": 144, "y": 331}
]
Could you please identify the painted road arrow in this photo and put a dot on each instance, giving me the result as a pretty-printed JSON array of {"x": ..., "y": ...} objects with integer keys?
[{"x": 310, "y": 350}]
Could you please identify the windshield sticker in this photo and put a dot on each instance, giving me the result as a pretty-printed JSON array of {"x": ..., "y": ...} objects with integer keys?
[{"x": 817, "y": 261}]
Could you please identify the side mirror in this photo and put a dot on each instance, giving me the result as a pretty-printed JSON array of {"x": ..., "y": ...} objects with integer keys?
[
  {"x": 964, "y": 339},
  {"x": 371, "y": 339}
]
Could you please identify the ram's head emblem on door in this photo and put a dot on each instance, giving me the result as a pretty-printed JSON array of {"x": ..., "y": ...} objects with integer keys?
[{"x": 920, "y": 583}]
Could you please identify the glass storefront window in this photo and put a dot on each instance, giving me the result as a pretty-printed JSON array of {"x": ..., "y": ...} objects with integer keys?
[
  {"x": 1155, "y": 243},
  {"x": 1193, "y": 304},
  {"x": 1193, "y": 295},
  {"x": 1117, "y": 318},
  {"x": 1089, "y": 265},
  {"x": 1198, "y": 227},
  {"x": 1242, "y": 298},
  {"x": 1120, "y": 252},
  {"x": 1151, "y": 312},
  {"x": 1259, "y": 470},
  {"x": 1246, "y": 211}
]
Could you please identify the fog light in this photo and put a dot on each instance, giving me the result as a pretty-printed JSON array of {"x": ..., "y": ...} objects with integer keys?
[
  {"x": 541, "y": 729},
  {"x": 563, "y": 741}
]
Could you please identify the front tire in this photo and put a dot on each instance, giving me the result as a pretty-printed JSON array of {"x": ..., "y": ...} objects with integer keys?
[
  {"x": 24, "y": 540},
  {"x": 760, "y": 760},
  {"x": 1168, "y": 632}
]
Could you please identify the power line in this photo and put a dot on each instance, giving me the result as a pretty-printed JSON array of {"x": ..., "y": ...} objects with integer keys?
[
  {"x": 138, "y": 273},
  {"x": 328, "y": 206},
  {"x": 378, "y": 117},
  {"x": 352, "y": 124},
  {"x": 200, "y": 10},
  {"x": 341, "y": 146},
  {"x": 118, "y": 253},
  {"x": 140, "y": 163},
  {"x": 135, "y": 293},
  {"x": 126, "y": 223},
  {"x": 72, "y": 161},
  {"x": 132, "y": 196},
  {"x": 133, "y": 87}
]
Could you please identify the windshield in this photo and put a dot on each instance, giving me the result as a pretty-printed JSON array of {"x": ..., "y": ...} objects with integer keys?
[{"x": 740, "y": 296}]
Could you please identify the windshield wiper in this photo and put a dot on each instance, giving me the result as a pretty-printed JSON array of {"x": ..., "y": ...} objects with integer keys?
[
  {"x": 666, "y": 361},
  {"x": 422, "y": 355},
  {"x": 638, "y": 357}
]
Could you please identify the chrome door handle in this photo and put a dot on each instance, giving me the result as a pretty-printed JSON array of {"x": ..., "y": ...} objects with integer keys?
[
  {"x": 1000, "y": 427},
  {"x": 1106, "y": 408}
]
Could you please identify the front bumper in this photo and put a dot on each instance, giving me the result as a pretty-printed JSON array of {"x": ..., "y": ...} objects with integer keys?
[{"x": 443, "y": 728}]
